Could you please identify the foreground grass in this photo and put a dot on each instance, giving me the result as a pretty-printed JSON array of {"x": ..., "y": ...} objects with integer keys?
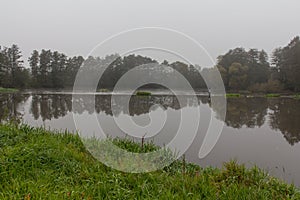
[
  {"x": 38, "y": 164},
  {"x": 3, "y": 90}
]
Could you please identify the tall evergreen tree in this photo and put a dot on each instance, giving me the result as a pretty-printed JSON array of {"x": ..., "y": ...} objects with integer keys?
[
  {"x": 34, "y": 65},
  {"x": 16, "y": 64},
  {"x": 44, "y": 79}
]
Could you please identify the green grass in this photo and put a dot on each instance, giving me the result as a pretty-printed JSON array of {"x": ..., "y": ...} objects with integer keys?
[
  {"x": 297, "y": 96},
  {"x": 3, "y": 90},
  {"x": 143, "y": 93},
  {"x": 38, "y": 164},
  {"x": 233, "y": 95},
  {"x": 272, "y": 95}
]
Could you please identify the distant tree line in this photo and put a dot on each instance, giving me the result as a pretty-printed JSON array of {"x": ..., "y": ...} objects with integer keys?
[{"x": 249, "y": 70}]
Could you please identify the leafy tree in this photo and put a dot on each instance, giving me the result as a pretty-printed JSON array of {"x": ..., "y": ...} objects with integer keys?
[
  {"x": 256, "y": 61},
  {"x": 287, "y": 62},
  {"x": 237, "y": 55},
  {"x": 224, "y": 75},
  {"x": 238, "y": 76}
]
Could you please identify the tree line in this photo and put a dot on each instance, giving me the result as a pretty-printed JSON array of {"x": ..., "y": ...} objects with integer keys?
[{"x": 249, "y": 70}]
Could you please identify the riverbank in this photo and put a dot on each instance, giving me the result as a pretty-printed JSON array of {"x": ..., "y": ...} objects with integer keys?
[
  {"x": 38, "y": 164},
  {"x": 8, "y": 90}
]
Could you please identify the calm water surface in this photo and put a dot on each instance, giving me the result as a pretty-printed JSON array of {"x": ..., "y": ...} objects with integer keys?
[{"x": 258, "y": 131}]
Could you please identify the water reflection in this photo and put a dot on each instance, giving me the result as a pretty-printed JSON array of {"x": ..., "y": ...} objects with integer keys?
[
  {"x": 50, "y": 106},
  {"x": 284, "y": 116},
  {"x": 53, "y": 106},
  {"x": 280, "y": 114},
  {"x": 11, "y": 106},
  {"x": 249, "y": 112}
]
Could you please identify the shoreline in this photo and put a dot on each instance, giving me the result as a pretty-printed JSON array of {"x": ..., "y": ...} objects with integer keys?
[{"x": 294, "y": 95}]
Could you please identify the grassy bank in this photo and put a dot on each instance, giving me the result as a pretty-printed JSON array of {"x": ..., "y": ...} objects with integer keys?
[
  {"x": 3, "y": 90},
  {"x": 38, "y": 164},
  {"x": 143, "y": 93}
]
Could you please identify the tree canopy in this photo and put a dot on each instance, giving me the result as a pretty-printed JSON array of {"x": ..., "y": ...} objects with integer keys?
[{"x": 240, "y": 69}]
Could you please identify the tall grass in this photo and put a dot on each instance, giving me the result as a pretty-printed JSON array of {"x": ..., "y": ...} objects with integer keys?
[{"x": 39, "y": 164}]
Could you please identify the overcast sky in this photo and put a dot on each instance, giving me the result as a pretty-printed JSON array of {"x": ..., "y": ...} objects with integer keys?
[{"x": 76, "y": 26}]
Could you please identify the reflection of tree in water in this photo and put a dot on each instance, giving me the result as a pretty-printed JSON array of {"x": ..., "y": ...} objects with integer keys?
[
  {"x": 249, "y": 112},
  {"x": 9, "y": 106},
  {"x": 285, "y": 116},
  {"x": 252, "y": 112},
  {"x": 50, "y": 106},
  {"x": 142, "y": 105},
  {"x": 137, "y": 105}
]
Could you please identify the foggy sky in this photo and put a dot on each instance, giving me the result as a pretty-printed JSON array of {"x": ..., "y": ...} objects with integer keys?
[{"x": 75, "y": 27}]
